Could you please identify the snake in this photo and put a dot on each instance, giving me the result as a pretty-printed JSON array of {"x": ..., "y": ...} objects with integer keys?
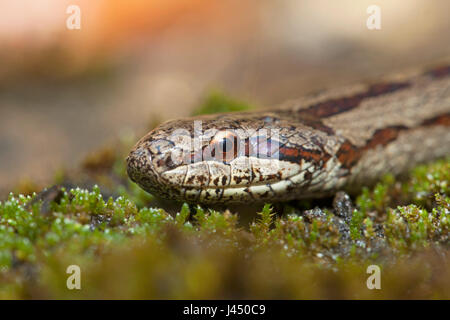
[{"x": 327, "y": 141}]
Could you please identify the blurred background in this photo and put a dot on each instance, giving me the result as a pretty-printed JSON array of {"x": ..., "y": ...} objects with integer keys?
[{"x": 64, "y": 93}]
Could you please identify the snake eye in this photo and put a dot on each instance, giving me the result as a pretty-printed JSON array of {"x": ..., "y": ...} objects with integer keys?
[{"x": 225, "y": 146}]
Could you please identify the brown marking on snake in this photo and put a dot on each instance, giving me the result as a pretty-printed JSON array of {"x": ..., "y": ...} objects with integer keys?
[
  {"x": 190, "y": 179},
  {"x": 307, "y": 176},
  {"x": 348, "y": 154},
  {"x": 335, "y": 106},
  {"x": 289, "y": 152},
  {"x": 296, "y": 154},
  {"x": 309, "y": 120},
  {"x": 272, "y": 176},
  {"x": 318, "y": 125},
  {"x": 237, "y": 179},
  {"x": 201, "y": 179},
  {"x": 384, "y": 136},
  {"x": 439, "y": 72},
  {"x": 442, "y": 120},
  {"x": 169, "y": 163},
  {"x": 161, "y": 162}
]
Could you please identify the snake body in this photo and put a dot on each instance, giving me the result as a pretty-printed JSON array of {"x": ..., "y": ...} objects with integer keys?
[{"x": 331, "y": 140}]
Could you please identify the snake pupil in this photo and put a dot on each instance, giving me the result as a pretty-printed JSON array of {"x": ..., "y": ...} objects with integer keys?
[{"x": 226, "y": 145}]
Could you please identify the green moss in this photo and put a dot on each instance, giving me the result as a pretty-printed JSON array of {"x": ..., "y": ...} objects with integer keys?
[
  {"x": 369, "y": 231},
  {"x": 260, "y": 228},
  {"x": 218, "y": 102},
  {"x": 356, "y": 224},
  {"x": 411, "y": 226},
  {"x": 182, "y": 216},
  {"x": 378, "y": 198},
  {"x": 427, "y": 180}
]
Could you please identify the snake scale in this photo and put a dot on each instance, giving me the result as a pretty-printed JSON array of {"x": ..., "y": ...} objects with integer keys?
[{"x": 337, "y": 139}]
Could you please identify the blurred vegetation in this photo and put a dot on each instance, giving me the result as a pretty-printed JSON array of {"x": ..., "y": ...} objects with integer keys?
[
  {"x": 218, "y": 102},
  {"x": 54, "y": 65},
  {"x": 128, "y": 246}
]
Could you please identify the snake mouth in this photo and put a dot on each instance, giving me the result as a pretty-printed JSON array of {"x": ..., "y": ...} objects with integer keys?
[
  {"x": 182, "y": 185},
  {"x": 239, "y": 193}
]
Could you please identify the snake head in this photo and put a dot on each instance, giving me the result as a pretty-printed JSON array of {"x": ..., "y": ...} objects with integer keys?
[{"x": 221, "y": 159}]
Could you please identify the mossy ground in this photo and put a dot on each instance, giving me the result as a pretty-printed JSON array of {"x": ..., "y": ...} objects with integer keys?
[{"x": 128, "y": 246}]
